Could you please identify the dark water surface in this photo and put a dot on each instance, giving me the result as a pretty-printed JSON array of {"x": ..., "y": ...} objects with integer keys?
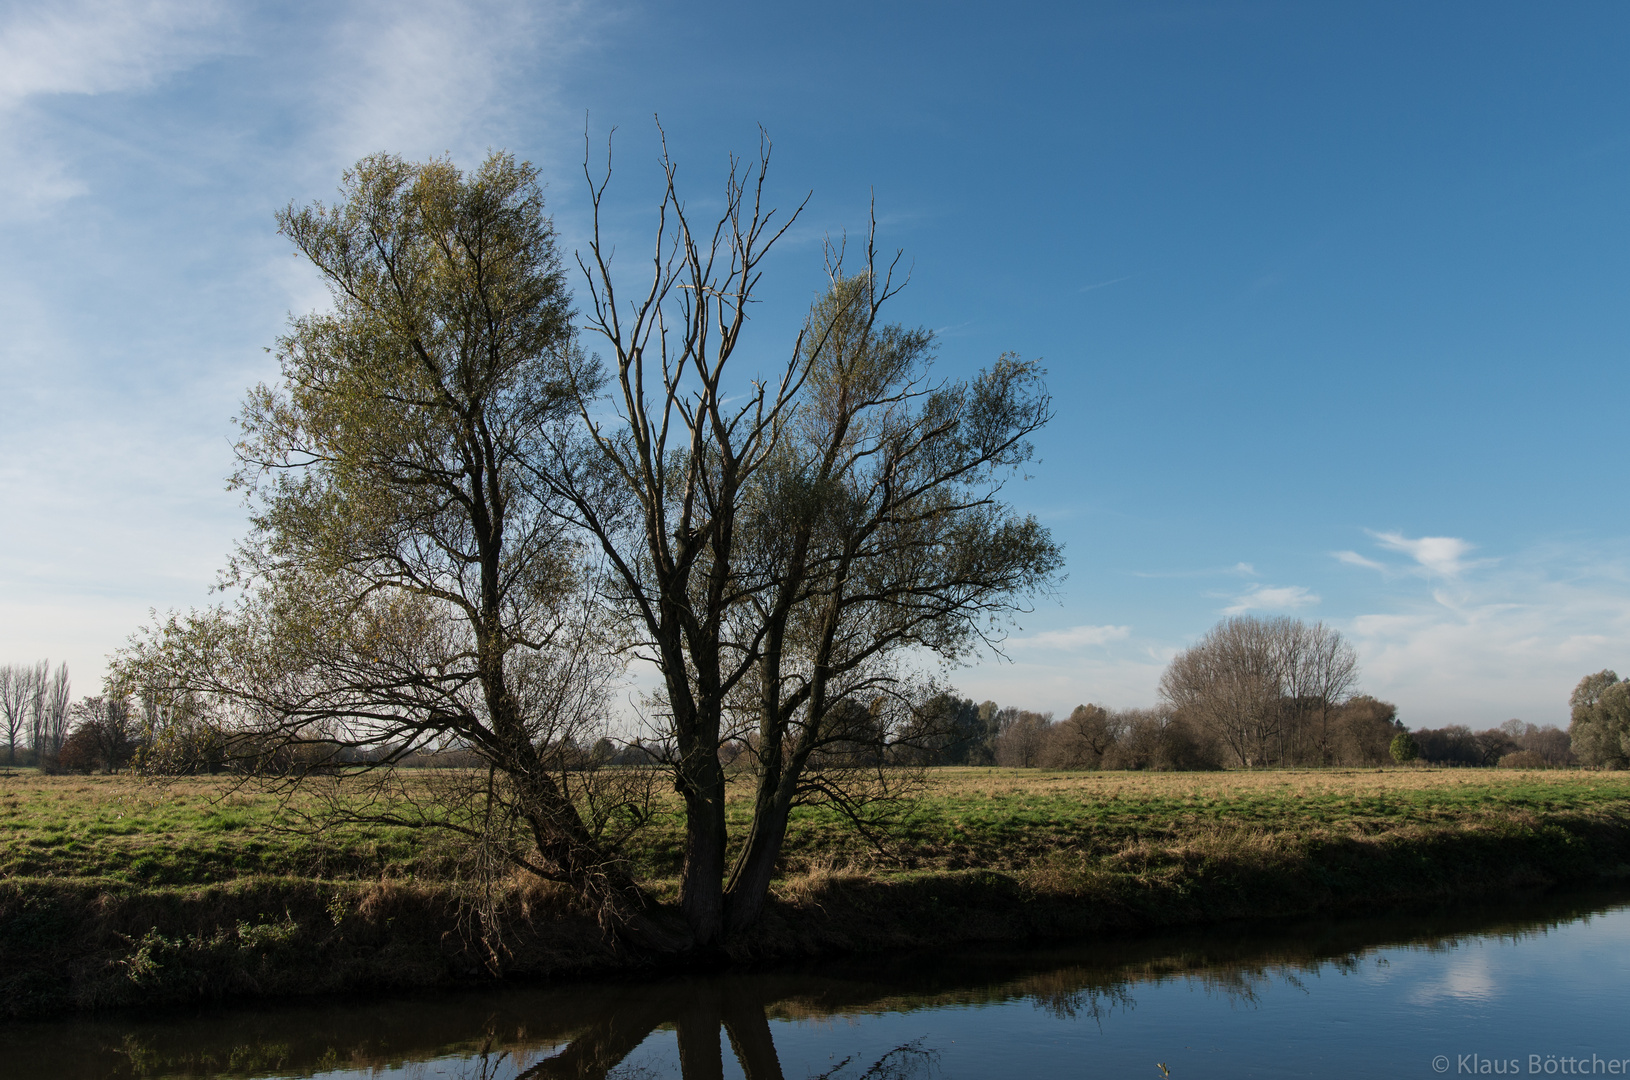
[{"x": 1537, "y": 987}]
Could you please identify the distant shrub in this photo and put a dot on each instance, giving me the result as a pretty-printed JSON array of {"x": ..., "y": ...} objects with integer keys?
[
  {"x": 1524, "y": 759},
  {"x": 1162, "y": 741},
  {"x": 79, "y": 753},
  {"x": 1403, "y": 748}
]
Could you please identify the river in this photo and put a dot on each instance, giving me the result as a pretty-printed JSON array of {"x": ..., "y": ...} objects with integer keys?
[{"x": 1535, "y": 987}]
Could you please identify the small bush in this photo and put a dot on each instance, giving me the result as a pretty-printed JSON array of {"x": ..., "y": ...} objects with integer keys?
[
  {"x": 1524, "y": 759},
  {"x": 1404, "y": 748}
]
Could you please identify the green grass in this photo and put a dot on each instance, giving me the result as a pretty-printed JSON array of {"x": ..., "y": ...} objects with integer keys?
[
  {"x": 1009, "y": 819},
  {"x": 191, "y": 832},
  {"x": 201, "y": 831}
]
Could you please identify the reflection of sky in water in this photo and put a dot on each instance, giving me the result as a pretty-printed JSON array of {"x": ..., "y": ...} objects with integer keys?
[
  {"x": 1388, "y": 1013},
  {"x": 1467, "y": 974},
  {"x": 1557, "y": 992},
  {"x": 1382, "y": 1012},
  {"x": 496, "y": 1066}
]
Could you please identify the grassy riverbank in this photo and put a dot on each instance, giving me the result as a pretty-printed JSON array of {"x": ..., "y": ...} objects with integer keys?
[{"x": 113, "y": 892}]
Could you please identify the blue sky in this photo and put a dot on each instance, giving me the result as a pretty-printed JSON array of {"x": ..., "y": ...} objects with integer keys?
[{"x": 1332, "y": 296}]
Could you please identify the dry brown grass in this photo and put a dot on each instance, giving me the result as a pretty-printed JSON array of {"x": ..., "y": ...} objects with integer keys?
[{"x": 1096, "y": 786}]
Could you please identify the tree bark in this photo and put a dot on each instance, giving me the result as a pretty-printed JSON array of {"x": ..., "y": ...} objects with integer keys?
[{"x": 749, "y": 888}]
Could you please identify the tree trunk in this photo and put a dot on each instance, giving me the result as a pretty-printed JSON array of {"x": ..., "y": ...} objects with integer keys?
[
  {"x": 749, "y": 1031},
  {"x": 701, "y": 781},
  {"x": 700, "y": 1050},
  {"x": 701, "y": 884},
  {"x": 755, "y": 868}
]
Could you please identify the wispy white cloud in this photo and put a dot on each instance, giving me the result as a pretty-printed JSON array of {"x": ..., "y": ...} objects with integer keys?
[
  {"x": 1239, "y": 569},
  {"x": 1353, "y": 558},
  {"x": 423, "y": 77},
  {"x": 97, "y": 46},
  {"x": 1271, "y": 598},
  {"x": 1075, "y": 637},
  {"x": 1441, "y": 555},
  {"x": 1105, "y": 284},
  {"x": 137, "y": 169},
  {"x": 86, "y": 47},
  {"x": 1510, "y": 643},
  {"x": 1122, "y": 674}
]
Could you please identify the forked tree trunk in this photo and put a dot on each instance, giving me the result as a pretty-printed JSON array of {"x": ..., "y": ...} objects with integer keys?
[{"x": 755, "y": 868}]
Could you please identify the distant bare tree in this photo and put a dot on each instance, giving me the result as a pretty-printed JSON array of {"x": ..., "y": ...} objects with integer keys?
[
  {"x": 1160, "y": 739},
  {"x": 1268, "y": 689},
  {"x": 1023, "y": 736},
  {"x": 1326, "y": 669},
  {"x": 39, "y": 679},
  {"x": 1229, "y": 684},
  {"x": 58, "y": 699},
  {"x": 1081, "y": 740},
  {"x": 1550, "y": 743},
  {"x": 20, "y": 688}
]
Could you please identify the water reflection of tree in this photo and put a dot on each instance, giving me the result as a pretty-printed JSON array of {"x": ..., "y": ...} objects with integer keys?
[
  {"x": 594, "y": 1029},
  {"x": 697, "y": 1012},
  {"x": 743, "y": 1007}
]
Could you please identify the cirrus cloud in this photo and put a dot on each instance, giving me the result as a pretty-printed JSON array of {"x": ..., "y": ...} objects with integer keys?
[
  {"x": 1440, "y": 556},
  {"x": 1071, "y": 638},
  {"x": 1272, "y": 598}
]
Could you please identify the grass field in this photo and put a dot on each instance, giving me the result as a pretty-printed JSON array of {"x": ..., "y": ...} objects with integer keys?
[
  {"x": 201, "y": 831},
  {"x": 116, "y": 892}
]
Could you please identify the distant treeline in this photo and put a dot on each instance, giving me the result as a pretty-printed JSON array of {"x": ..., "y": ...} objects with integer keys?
[
  {"x": 1513, "y": 745},
  {"x": 1264, "y": 692},
  {"x": 1161, "y": 738},
  {"x": 1253, "y": 692}
]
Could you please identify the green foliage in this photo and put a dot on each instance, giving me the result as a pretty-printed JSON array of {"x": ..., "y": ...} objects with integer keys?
[
  {"x": 408, "y": 583},
  {"x": 1600, "y": 729},
  {"x": 1403, "y": 748}
]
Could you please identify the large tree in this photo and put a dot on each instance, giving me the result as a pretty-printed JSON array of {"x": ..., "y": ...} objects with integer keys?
[
  {"x": 407, "y": 585},
  {"x": 1600, "y": 727},
  {"x": 1267, "y": 688},
  {"x": 440, "y": 458},
  {"x": 780, "y": 540}
]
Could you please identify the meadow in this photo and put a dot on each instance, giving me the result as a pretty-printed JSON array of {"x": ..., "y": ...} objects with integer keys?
[
  {"x": 114, "y": 890},
  {"x": 204, "y": 830}
]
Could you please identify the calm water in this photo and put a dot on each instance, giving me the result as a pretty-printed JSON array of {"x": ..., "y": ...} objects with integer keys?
[{"x": 1457, "y": 993}]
